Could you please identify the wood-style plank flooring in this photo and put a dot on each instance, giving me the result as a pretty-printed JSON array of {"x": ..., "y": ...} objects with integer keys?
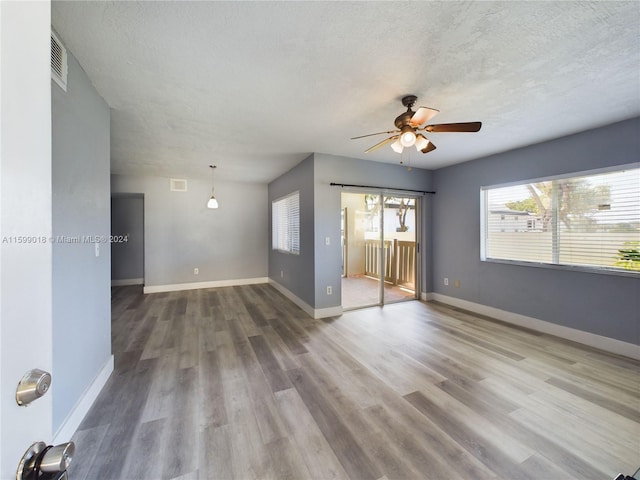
[{"x": 239, "y": 383}]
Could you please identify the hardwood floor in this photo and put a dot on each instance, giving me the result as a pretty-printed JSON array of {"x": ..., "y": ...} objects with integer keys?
[{"x": 239, "y": 383}]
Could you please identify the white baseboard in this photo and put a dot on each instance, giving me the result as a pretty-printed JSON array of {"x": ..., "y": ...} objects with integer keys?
[
  {"x": 586, "y": 338},
  {"x": 77, "y": 414},
  {"x": 328, "y": 312},
  {"x": 127, "y": 281},
  {"x": 308, "y": 309},
  {"x": 426, "y": 296},
  {"x": 177, "y": 287}
]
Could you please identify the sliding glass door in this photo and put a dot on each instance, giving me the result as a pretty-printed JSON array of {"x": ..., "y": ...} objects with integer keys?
[
  {"x": 401, "y": 248},
  {"x": 379, "y": 254},
  {"x": 361, "y": 252}
]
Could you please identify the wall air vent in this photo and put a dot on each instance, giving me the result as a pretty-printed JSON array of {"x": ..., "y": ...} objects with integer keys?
[
  {"x": 178, "y": 185},
  {"x": 58, "y": 62}
]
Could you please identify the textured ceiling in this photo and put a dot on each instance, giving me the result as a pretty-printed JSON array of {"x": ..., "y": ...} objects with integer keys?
[{"x": 256, "y": 86}]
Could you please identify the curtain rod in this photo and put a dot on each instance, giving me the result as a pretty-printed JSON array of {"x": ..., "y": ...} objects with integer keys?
[{"x": 381, "y": 188}]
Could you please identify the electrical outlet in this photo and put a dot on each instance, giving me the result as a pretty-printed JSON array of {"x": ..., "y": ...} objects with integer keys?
[
  {"x": 456, "y": 283},
  {"x": 446, "y": 281},
  {"x": 327, "y": 241},
  {"x": 196, "y": 271},
  {"x": 329, "y": 290},
  {"x": 281, "y": 273}
]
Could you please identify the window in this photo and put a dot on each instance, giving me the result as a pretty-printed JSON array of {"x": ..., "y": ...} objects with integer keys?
[
  {"x": 591, "y": 220},
  {"x": 285, "y": 221}
]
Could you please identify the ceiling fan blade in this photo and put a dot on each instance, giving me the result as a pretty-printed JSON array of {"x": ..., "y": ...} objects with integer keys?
[
  {"x": 454, "y": 127},
  {"x": 382, "y": 144},
  {"x": 422, "y": 115},
  {"x": 372, "y": 134},
  {"x": 429, "y": 148}
]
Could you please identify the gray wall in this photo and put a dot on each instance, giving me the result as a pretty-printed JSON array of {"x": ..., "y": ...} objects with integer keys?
[
  {"x": 606, "y": 305},
  {"x": 181, "y": 233},
  {"x": 295, "y": 272},
  {"x": 81, "y": 281},
  {"x": 127, "y": 218},
  {"x": 318, "y": 265}
]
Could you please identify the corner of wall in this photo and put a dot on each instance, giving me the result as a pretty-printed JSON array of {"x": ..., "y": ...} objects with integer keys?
[{"x": 82, "y": 406}]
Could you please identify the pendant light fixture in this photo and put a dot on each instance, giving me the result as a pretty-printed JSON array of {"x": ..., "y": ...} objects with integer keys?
[{"x": 212, "y": 203}]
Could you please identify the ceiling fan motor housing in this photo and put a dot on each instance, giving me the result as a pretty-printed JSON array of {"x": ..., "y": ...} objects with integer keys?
[{"x": 403, "y": 119}]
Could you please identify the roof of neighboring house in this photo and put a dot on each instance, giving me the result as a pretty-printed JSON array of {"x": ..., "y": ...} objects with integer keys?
[{"x": 507, "y": 211}]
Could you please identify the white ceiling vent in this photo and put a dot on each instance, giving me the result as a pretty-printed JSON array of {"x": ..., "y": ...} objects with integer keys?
[
  {"x": 178, "y": 185},
  {"x": 58, "y": 62}
]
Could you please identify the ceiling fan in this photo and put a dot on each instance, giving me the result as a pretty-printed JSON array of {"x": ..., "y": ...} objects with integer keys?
[{"x": 408, "y": 123}]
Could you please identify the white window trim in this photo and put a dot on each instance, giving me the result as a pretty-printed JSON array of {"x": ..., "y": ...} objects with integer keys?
[{"x": 576, "y": 268}]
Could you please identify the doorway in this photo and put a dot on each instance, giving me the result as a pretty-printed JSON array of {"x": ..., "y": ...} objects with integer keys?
[
  {"x": 379, "y": 249},
  {"x": 127, "y": 230}
]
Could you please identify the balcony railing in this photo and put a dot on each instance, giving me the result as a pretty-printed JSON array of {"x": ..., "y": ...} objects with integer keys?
[{"x": 400, "y": 261}]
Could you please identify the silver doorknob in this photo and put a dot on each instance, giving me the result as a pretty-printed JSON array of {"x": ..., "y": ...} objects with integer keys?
[
  {"x": 58, "y": 458},
  {"x": 33, "y": 385},
  {"x": 42, "y": 462}
]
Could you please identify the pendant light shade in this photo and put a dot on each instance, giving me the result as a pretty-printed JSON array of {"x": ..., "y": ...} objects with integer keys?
[
  {"x": 421, "y": 142},
  {"x": 397, "y": 146},
  {"x": 212, "y": 203}
]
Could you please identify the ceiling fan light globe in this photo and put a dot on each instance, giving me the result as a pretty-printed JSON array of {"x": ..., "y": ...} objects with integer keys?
[
  {"x": 421, "y": 142},
  {"x": 212, "y": 203},
  {"x": 407, "y": 139},
  {"x": 397, "y": 146}
]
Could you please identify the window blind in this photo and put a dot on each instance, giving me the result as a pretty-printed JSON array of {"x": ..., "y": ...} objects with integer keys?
[
  {"x": 590, "y": 220},
  {"x": 285, "y": 217}
]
